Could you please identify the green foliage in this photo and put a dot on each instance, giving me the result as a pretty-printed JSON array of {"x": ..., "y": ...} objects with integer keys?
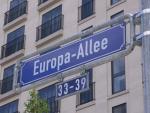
[{"x": 35, "y": 104}]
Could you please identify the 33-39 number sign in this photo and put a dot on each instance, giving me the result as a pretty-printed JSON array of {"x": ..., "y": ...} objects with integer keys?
[{"x": 72, "y": 87}]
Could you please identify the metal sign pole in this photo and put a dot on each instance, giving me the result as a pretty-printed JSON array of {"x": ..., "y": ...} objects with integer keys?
[{"x": 145, "y": 26}]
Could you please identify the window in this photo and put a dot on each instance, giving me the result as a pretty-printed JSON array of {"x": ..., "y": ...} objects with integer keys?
[
  {"x": 86, "y": 9},
  {"x": 86, "y": 30},
  {"x": 52, "y": 21},
  {"x": 119, "y": 109},
  {"x": 118, "y": 75},
  {"x": 50, "y": 50},
  {"x": 14, "y": 3},
  {"x": 48, "y": 94},
  {"x": 7, "y": 82},
  {"x": 121, "y": 13},
  {"x": 88, "y": 95},
  {"x": 17, "y": 9},
  {"x": 114, "y": 1},
  {"x": 15, "y": 42},
  {"x": 41, "y": 1},
  {"x": 10, "y": 107}
]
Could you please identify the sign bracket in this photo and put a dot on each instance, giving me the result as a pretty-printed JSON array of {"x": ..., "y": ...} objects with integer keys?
[{"x": 129, "y": 48}]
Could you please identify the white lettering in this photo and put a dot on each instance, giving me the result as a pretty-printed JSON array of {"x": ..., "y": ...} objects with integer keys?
[
  {"x": 36, "y": 68},
  {"x": 104, "y": 43},
  {"x": 96, "y": 46},
  {"x": 53, "y": 63},
  {"x": 47, "y": 64},
  {"x": 80, "y": 51},
  {"x": 42, "y": 67},
  {"x": 60, "y": 61},
  {"x": 67, "y": 58}
]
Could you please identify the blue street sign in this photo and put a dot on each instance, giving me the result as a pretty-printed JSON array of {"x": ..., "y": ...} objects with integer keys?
[
  {"x": 93, "y": 47},
  {"x": 72, "y": 87}
]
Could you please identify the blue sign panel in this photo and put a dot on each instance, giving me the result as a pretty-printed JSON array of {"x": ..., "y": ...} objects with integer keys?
[
  {"x": 71, "y": 87},
  {"x": 72, "y": 55}
]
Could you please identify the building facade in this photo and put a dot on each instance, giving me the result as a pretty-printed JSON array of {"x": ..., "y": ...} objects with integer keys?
[{"x": 27, "y": 26}]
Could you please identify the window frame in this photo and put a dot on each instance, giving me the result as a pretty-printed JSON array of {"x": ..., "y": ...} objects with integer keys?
[
  {"x": 7, "y": 81},
  {"x": 113, "y": 2},
  {"x": 9, "y": 106},
  {"x": 82, "y": 9},
  {"x": 50, "y": 99},
  {"x": 90, "y": 92},
  {"x": 116, "y": 75},
  {"x": 121, "y": 105}
]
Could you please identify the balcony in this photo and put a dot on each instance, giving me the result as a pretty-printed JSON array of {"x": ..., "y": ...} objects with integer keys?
[
  {"x": 86, "y": 10},
  {"x": 43, "y": 4},
  {"x": 13, "y": 46},
  {"x": 15, "y": 15},
  {"x": 50, "y": 27},
  {"x": 6, "y": 84}
]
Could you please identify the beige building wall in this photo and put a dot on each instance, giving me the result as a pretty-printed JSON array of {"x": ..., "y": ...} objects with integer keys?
[{"x": 104, "y": 100}]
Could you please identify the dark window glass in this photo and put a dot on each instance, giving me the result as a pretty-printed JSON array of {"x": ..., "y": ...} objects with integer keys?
[
  {"x": 48, "y": 94},
  {"x": 118, "y": 75},
  {"x": 15, "y": 34},
  {"x": 121, "y": 13},
  {"x": 119, "y": 109},
  {"x": 9, "y": 71},
  {"x": 114, "y": 1},
  {"x": 88, "y": 95},
  {"x": 52, "y": 14},
  {"x": 15, "y": 42},
  {"x": 86, "y": 30},
  {"x": 17, "y": 9},
  {"x": 41, "y": 1},
  {"x": 85, "y": 1},
  {"x": 10, "y": 107},
  {"x": 7, "y": 82},
  {"x": 86, "y": 9},
  {"x": 52, "y": 21},
  {"x": 14, "y": 3}
]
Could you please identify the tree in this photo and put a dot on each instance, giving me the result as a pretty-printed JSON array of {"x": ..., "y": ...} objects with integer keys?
[{"x": 35, "y": 104}]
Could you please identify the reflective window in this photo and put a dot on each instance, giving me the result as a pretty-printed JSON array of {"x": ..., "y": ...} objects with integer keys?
[
  {"x": 114, "y": 1},
  {"x": 88, "y": 95},
  {"x": 118, "y": 75},
  {"x": 48, "y": 94},
  {"x": 119, "y": 109},
  {"x": 10, "y": 107},
  {"x": 7, "y": 82}
]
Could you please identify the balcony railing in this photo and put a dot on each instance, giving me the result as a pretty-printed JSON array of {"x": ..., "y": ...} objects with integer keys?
[
  {"x": 13, "y": 46},
  {"x": 50, "y": 27},
  {"x": 16, "y": 12},
  {"x": 86, "y": 10},
  {"x": 41, "y": 1},
  {"x": 88, "y": 95},
  {"x": 6, "y": 84}
]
